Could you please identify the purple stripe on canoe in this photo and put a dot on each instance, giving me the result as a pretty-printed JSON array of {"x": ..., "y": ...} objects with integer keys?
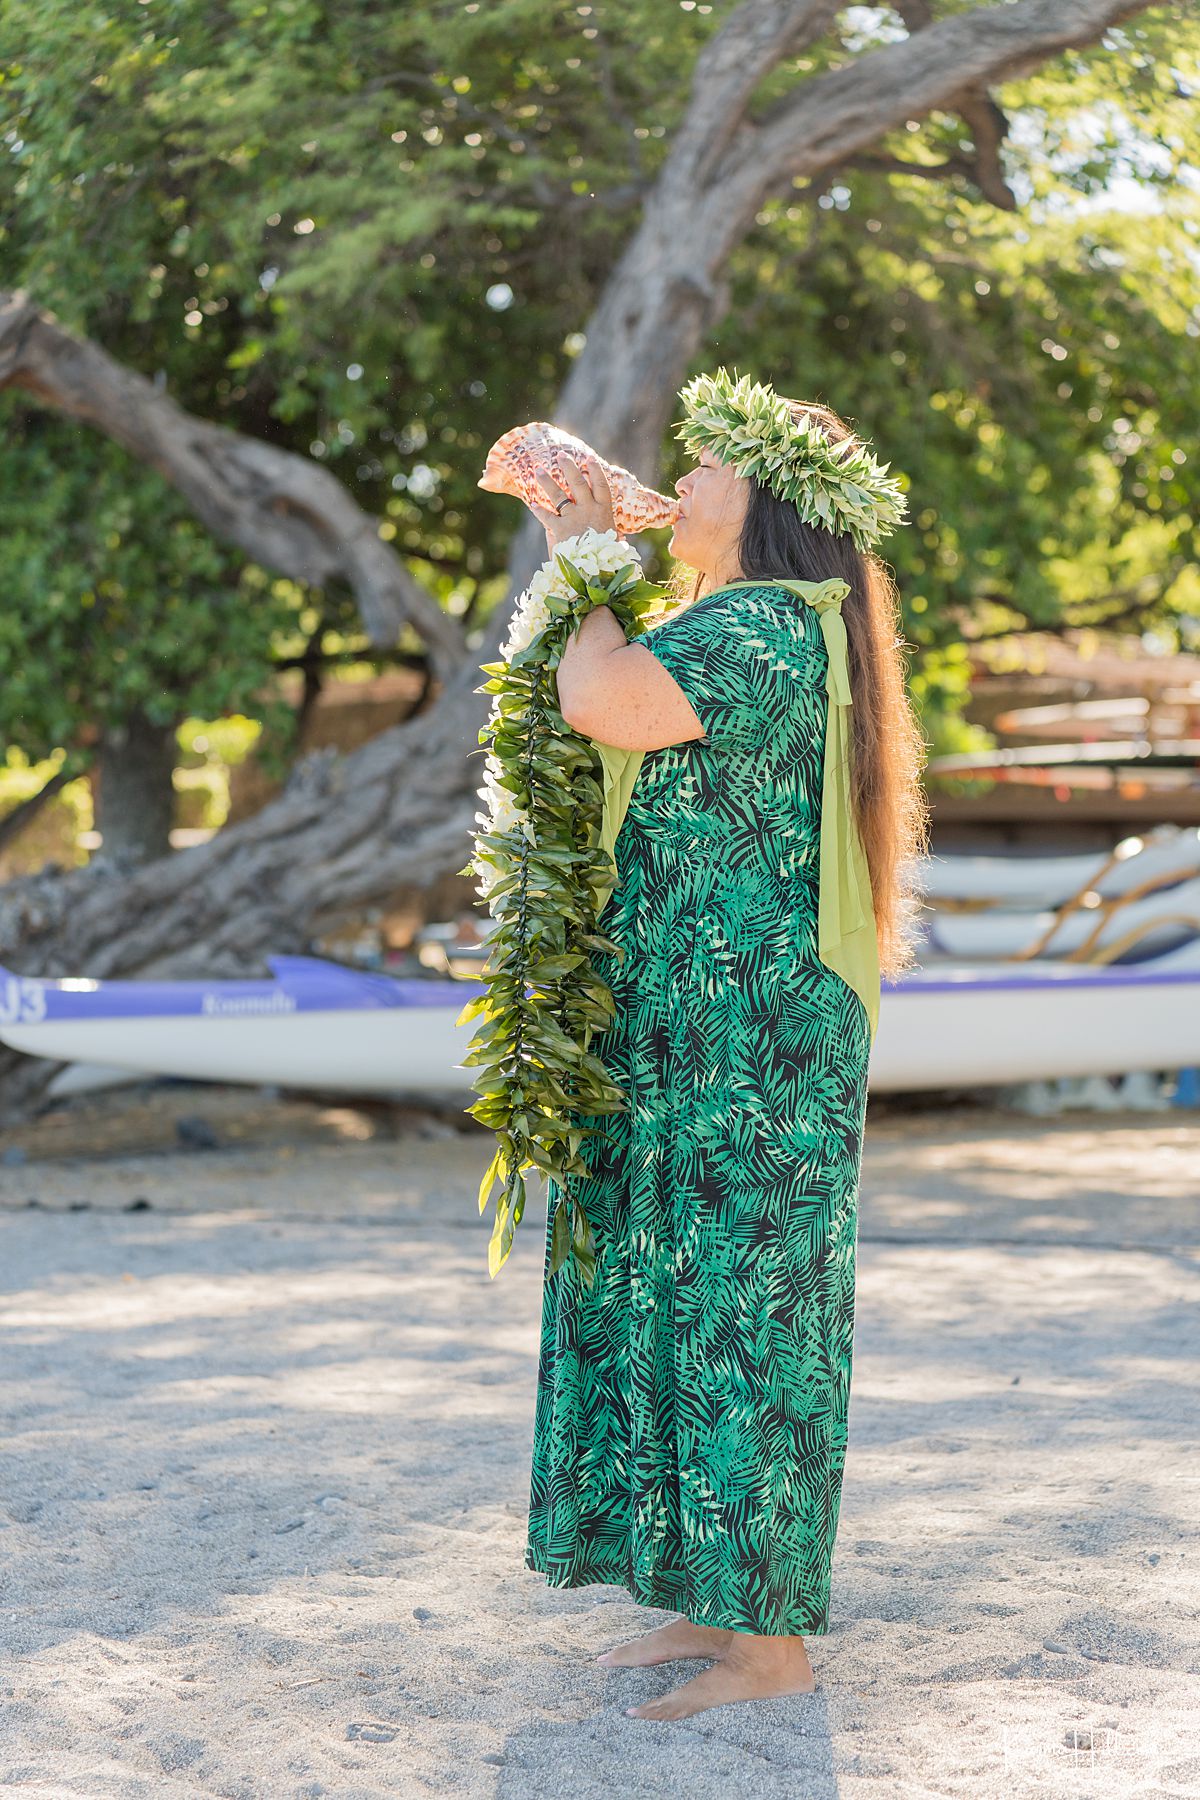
[{"x": 305, "y": 984}]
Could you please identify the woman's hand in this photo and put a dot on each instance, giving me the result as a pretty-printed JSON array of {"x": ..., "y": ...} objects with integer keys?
[{"x": 587, "y": 502}]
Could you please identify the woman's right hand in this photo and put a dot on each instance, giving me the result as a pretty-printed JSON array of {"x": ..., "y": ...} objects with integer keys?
[{"x": 587, "y": 502}]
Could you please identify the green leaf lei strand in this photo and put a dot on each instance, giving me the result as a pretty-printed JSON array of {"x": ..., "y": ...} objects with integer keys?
[
  {"x": 838, "y": 487},
  {"x": 537, "y": 856}
]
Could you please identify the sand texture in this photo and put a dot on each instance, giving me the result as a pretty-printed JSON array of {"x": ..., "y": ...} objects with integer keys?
[{"x": 266, "y": 1438}]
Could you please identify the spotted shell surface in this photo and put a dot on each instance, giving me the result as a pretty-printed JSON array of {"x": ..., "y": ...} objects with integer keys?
[{"x": 514, "y": 461}]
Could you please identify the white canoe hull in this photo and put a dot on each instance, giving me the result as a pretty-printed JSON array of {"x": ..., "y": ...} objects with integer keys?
[
  {"x": 953, "y": 1026},
  {"x": 957, "y": 1031},
  {"x": 388, "y": 1050}
]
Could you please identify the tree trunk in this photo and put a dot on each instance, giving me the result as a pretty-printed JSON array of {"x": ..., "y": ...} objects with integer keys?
[
  {"x": 135, "y": 799},
  {"x": 399, "y": 813}
]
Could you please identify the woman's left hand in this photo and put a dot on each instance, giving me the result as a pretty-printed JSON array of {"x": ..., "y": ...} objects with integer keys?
[{"x": 587, "y": 503}]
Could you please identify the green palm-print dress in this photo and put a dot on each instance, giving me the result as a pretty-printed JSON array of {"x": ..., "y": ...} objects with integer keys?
[{"x": 690, "y": 1424}]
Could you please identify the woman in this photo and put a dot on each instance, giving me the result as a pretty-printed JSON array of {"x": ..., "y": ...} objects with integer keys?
[{"x": 690, "y": 1431}]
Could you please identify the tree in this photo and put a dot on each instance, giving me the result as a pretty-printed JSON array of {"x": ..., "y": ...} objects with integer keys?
[
  {"x": 786, "y": 101},
  {"x": 125, "y": 617}
]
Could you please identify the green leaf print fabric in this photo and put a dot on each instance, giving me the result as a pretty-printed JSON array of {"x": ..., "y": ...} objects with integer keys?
[
  {"x": 846, "y": 934},
  {"x": 690, "y": 1425}
]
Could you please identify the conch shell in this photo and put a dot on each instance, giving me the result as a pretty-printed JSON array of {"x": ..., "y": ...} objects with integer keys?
[{"x": 514, "y": 460}]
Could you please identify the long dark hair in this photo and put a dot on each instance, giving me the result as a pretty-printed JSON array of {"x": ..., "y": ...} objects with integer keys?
[{"x": 887, "y": 751}]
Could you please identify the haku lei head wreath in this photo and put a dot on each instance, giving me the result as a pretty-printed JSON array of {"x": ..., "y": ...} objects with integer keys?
[{"x": 839, "y": 487}]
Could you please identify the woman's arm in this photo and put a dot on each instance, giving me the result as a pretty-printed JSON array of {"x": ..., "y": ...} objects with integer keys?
[{"x": 618, "y": 693}]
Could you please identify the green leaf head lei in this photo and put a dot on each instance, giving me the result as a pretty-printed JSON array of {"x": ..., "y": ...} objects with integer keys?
[{"x": 841, "y": 487}]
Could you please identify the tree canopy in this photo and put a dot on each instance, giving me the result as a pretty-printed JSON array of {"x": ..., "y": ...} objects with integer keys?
[
  {"x": 376, "y": 235},
  {"x": 122, "y": 603}
]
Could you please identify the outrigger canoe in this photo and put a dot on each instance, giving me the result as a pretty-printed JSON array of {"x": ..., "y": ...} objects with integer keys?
[
  {"x": 319, "y": 1026},
  {"x": 1155, "y": 860}
]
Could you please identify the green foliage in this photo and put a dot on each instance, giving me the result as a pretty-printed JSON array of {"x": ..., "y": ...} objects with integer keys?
[
  {"x": 54, "y": 835},
  {"x": 374, "y": 235},
  {"x": 209, "y": 750},
  {"x": 119, "y": 601},
  {"x": 228, "y": 741}
]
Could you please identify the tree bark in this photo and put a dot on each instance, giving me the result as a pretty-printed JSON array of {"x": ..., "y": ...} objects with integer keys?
[{"x": 399, "y": 813}]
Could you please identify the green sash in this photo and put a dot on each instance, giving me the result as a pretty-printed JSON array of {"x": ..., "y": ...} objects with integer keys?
[{"x": 846, "y": 936}]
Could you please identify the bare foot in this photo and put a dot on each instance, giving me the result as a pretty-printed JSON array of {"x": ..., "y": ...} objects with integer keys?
[
  {"x": 669, "y": 1643},
  {"x": 752, "y": 1668}
]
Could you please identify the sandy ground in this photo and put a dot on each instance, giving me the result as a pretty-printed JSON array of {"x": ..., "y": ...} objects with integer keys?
[{"x": 266, "y": 1460}]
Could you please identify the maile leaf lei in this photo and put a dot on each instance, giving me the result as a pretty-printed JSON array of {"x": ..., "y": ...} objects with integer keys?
[{"x": 537, "y": 857}]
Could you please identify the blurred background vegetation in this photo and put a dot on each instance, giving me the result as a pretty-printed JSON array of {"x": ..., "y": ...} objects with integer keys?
[{"x": 375, "y": 236}]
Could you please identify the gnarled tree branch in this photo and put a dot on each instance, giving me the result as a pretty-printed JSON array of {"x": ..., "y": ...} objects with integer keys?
[
  {"x": 285, "y": 511},
  {"x": 837, "y": 114},
  {"x": 982, "y": 117}
]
